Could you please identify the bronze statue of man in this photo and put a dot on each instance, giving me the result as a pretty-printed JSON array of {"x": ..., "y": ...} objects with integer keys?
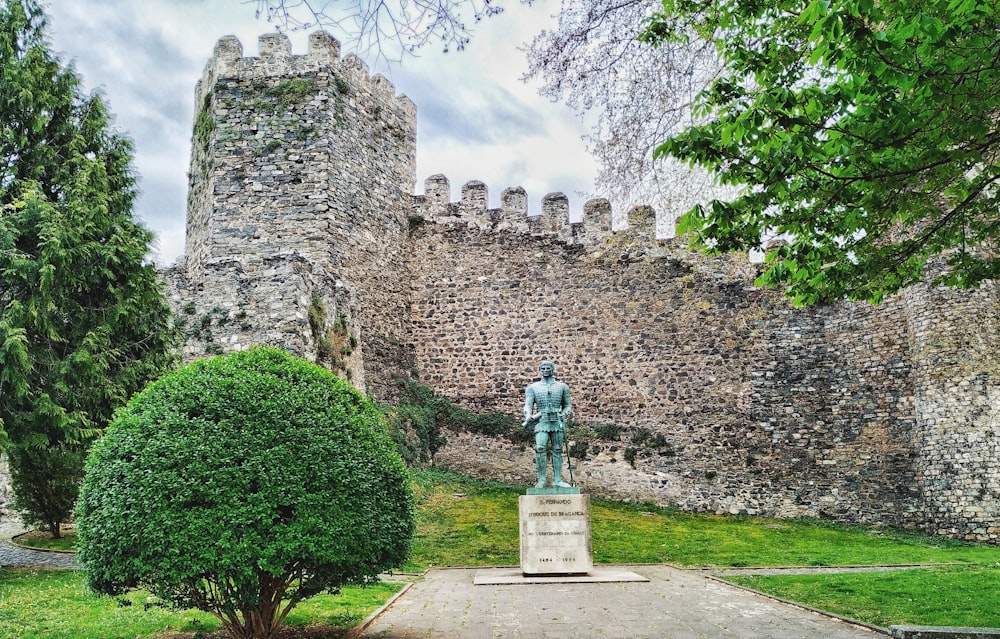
[{"x": 547, "y": 407}]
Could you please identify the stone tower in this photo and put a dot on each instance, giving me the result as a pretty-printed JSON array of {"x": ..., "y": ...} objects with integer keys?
[
  {"x": 954, "y": 341},
  {"x": 302, "y": 170}
]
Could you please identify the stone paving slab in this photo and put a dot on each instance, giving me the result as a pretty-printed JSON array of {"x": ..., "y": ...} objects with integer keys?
[
  {"x": 514, "y": 576},
  {"x": 942, "y": 632},
  {"x": 673, "y": 604}
]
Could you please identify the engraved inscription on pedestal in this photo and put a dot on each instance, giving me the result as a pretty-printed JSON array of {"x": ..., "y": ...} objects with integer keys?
[{"x": 555, "y": 534}]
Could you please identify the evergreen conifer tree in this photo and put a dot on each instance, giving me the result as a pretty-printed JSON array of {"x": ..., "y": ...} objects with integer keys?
[{"x": 83, "y": 320}]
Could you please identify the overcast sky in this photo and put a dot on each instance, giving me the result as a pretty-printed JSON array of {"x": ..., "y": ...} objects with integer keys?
[{"x": 476, "y": 120}]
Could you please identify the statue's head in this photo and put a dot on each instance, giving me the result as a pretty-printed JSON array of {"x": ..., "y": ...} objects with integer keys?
[{"x": 547, "y": 369}]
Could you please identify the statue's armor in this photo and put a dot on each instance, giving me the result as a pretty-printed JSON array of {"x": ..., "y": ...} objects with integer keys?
[
  {"x": 546, "y": 405},
  {"x": 549, "y": 401}
]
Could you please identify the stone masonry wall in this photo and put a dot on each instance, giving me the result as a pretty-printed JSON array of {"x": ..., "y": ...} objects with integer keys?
[
  {"x": 301, "y": 175},
  {"x": 835, "y": 395},
  {"x": 750, "y": 406},
  {"x": 691, "y": 386},
  {"x": 956, "y": 338}
]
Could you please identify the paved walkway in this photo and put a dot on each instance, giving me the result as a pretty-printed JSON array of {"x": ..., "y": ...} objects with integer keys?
[
  {"x": 14, "y": 556},
  {"x": 673, "y": 604}
]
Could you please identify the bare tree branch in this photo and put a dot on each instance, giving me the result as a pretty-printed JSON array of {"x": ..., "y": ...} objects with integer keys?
[
  {"x": 383, "y": 29},
  {"x": 633, "y": 95}
]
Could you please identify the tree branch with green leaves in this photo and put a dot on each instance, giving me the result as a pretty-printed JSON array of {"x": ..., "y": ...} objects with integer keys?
[{"x": 863, "y": 133}]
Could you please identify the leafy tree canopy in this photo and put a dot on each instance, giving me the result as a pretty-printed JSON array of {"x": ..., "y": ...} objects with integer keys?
[
  {"x": 83, "y": 321},
  {"x": 863, "y": 132},
  {"x": 241, "y": 485}
]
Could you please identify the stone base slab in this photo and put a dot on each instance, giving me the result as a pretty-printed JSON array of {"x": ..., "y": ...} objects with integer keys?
[{"x": 514, "y": 576}]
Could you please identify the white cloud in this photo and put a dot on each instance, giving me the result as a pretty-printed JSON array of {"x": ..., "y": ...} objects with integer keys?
[{"x": 476, "y": 120}]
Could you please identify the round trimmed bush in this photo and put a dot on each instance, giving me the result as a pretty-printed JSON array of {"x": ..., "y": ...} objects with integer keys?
[{"x": 241, "y": 485}]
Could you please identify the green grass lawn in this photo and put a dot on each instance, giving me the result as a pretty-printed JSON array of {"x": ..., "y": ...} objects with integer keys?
[
  {"x": 464, "y": 522},
  {"x": 55, "y": 604},
  {"x": 952, "y": 596},
  {"x": 44, "y": 541}
]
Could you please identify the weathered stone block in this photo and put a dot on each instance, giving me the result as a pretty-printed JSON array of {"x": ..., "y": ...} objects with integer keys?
[{"x": 555, "y": 534}]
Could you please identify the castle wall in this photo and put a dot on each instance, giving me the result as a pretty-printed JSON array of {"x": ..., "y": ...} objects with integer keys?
[
  {"x": 691, "y": 387},
  {"x": 835, "y": 393},
  {"x": 956, "y": 338},
  {"x": 759, "y": 408},
  {"x": 231, "y": 306}
]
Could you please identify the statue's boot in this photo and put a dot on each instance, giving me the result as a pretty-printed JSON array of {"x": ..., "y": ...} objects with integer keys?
[
  {"x": 557, "y": 480},
  {"x": 540, "y": 462}
]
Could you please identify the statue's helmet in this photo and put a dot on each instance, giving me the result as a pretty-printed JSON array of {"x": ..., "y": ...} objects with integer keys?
[{"x": 549, "y": 364}]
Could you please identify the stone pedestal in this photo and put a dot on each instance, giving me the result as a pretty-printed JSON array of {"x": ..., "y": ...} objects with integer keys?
[{"x": 555, "y": 534}]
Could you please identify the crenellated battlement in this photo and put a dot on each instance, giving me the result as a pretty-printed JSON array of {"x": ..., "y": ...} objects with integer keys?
[
  {"x": 275, "y": 60},
  {"x": 304, "y": 233},
  {"x": 553, "y": 217}
]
